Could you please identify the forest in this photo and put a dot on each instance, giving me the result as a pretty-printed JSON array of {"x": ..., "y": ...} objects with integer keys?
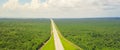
[
  {"x": 23, "y": 34},
  {"x": 92, "y": 33}
]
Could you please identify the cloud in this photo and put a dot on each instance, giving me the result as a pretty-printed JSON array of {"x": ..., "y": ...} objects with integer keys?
[
  {"x": 61, "y": 8},
  {"x": 36, "y": 4},
  {"x": 14, "y": 4},
  {"x": 11, "y": 4}
]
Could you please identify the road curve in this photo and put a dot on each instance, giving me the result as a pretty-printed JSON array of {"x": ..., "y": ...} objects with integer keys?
[{"x": 57, "y": 41}]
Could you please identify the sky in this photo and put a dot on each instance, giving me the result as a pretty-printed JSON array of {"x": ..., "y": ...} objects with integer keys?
[{"x": 59, "y": 8}]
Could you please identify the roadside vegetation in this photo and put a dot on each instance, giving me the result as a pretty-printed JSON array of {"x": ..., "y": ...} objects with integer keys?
[
  {"x": 23, "y": 34},
  {"x": 67, "y": 44},
  {"x": 91, "y": 34},
  {"x": 49, "y": 45}
]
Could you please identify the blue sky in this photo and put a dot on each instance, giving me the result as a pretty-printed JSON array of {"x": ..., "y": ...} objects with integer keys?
[
  {"x": 24, "y": 1},
  {"x": 2, "y": 2},
  {"x": 59, "y": 8},
  {"x": 21, "y": 1}
]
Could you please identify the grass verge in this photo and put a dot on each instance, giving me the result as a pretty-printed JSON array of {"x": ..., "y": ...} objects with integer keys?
[
  {"x": 67, "y": 44},
  {"x": 49, "y": 45}
]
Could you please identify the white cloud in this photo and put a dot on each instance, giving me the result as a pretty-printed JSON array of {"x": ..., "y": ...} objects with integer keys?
[
  {"x": 35, "y": 4},
  {"x": 62, "y": 8},
  {"x": 11, "y": 4},
  {"x": 14, "y": 4}
]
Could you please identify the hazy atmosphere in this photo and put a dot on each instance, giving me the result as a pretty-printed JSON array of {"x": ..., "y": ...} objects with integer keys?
[
  {"x": 59, "y": 24},
  {"x": 59, "y": 8}
]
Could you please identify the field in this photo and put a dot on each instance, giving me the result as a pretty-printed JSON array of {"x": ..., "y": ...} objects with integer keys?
[
  {"x": 92, "y": 34},
  {"x": 23, "y": 34}
]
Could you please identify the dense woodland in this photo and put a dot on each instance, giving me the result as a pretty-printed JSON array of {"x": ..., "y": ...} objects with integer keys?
[
  {"x": 23, "y": 34},
  {"x": 92, "y": 34},
  {"x": 89, "y": 34}
]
